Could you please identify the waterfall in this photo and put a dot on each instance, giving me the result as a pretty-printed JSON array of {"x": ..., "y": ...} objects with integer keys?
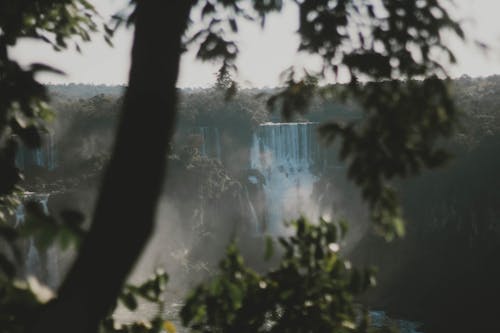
[
  {"x": 254, "y": 220},
  {"x": 34, "y": 261},
  {"x": 285, "y": 154},
  {"x": 210, "y": 141},
  {"x": 45, "y": 156},
  {"x": 51, "y": 153},
  {"x": 217, "y": 144},
  {"x": 32, "y": 265}
]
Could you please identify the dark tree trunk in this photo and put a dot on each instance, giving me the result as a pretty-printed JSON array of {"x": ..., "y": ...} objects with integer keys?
[{"x": 124, "y": 216}]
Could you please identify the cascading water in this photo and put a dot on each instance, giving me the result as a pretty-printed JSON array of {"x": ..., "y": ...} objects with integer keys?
[
  {"x": 34, "y": 263},
  {"x": 210, "y": 142},
  {"x": 51, "y": 153},
  {"x": 254, "y": 220},
  {"x": 285, "y": 154},
  {"x": 44, "y": 157}
]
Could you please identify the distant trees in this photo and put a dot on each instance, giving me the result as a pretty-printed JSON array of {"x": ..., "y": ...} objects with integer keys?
[{"x": 375, "y": 42}]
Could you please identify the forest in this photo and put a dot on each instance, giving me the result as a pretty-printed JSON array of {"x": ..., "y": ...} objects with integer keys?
[{"x": 218, "y": 194}]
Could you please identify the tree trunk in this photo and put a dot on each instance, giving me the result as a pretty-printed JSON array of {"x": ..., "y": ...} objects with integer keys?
[{"x": 124, "y": 216}]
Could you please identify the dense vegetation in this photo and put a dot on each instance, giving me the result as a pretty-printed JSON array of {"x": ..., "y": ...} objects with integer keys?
[{"x": 452, "y": 213}]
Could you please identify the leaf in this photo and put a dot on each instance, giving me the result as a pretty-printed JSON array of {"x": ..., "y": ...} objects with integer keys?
[
  {"x": 269, "y": 251},
  {"x": 39, "y": 67},
  {"x": 110, "y": 32},
  {"x": 129, "y": 301},
  {"x": 207, "y": 9},
  {"x": 169, "y": 327},
  {"x": 108, "y": 41},
  {"x": 343, "y": 228},
  {"x": 399, "y": 226},
  {"x": 42, "y": 293},
  {"x": 233, "y": 25}
]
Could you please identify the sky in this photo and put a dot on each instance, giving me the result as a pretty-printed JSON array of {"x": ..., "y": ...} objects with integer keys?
[{"x": 264, "y": 54}]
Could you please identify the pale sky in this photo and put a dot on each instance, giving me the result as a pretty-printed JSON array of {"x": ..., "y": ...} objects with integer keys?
[{"x": 263, "y": 54}]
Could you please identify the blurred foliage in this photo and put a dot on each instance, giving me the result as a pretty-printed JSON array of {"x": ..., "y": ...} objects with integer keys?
[
  {"x": 47, "y": 230},
  {"x": 24, "y": 110},
  {"x": 444, "y": 271},
  {"x": 462, "y": 195},
  {"x": 23, "y": 100},
  {"x": 397, "y": 137},
  {"x": 21, "y": 297},
  {"x": 312, "y": 290},
  {"x": 150, "y": 291}
]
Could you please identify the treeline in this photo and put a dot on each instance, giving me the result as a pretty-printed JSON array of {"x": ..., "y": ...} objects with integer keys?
[
  {"x": 478, "y": 98},
  {"x": 86, "y": 116},
  {"x": 479, "y": 101},
  {"x": 80, "y": 90}
]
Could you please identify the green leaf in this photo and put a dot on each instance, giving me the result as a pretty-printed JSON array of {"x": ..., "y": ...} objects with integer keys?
[
  {"x": 129, "y": 301},
  {"x": 269, "y": 249},
  {"x": 233, "y": 24}
]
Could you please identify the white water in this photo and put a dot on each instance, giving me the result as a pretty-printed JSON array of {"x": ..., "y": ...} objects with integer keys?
[
  {"x": 33, "y": 265},
  {"x": 285, "y": 154},
  {"x": 254, "y": 220},
  {"x": 44, "y": 157}
]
